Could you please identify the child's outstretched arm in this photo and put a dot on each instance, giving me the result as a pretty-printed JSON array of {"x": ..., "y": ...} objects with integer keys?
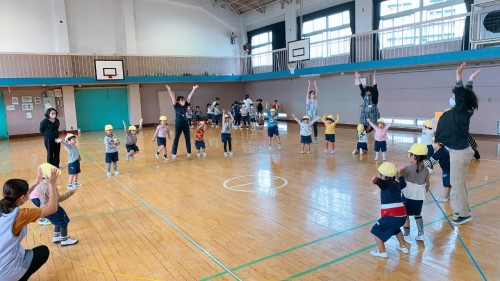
[
  {"x": 66, "y": 194},
  {"x": 295, "y": 118},
  {"x": 337, "y": 119},
  {"x": 371, "y": 124},
  {"x": 308, "y": 89},
  {"x": 314, "y": 121},
  {"x": 317, "y": 90},
  {"x": 125, "y": 127}
]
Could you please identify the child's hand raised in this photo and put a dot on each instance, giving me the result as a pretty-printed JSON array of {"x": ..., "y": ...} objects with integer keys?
[
  {"x": 368, "y": 119},
  {"x": 54, "y": 174},
  {"x": 58, "y": 140},
  {"x": 375, "y": 179}
]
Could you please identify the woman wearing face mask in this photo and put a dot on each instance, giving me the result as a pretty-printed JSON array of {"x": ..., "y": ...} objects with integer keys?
[
  {"x": 181, "y": 105},
  {"x": 453, "y": 131},
  {"x": 312, "y": 106},
  {"x": 370, "y": 101}
]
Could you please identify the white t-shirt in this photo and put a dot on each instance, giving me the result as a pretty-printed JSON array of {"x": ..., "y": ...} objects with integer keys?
[{"x": 247, "y": 102}]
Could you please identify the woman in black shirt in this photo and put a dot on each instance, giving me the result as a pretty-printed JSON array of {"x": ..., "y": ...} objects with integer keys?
[{"x": 49, "y": 127}]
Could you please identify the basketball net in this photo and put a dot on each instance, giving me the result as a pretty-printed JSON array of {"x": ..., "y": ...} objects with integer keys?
[{"x": 291, "y": 67}]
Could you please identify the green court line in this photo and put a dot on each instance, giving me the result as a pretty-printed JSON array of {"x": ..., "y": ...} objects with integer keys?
[
  {"x": 374, "y": 245},
  {"x": 96, "y": 215},
  {"x": 325, "y": 238}
]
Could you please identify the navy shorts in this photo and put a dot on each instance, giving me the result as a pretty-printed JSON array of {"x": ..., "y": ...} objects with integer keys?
[
  {"x": 446, "y": 179},
  {"x": 161, "y": 141},
  {"x": 133, "y": 147},
  {"x": 381, "y": 145},
  {"x": 74, "y": 168},
  {"x": 305, "y": 139},
  {"x": 413, "y": 207},
  {"x": 59, "y": 218},
  {"x": 386, "y": 227},
  {"x": 36, "y": 201},
  {"x": 330, "y": 137},
  {"x": 209, "y": 116},
  {"x": 198, "y": 118},
  {"x": 271, "y": 131},
  {"x": 246, "y": 118},
  {"x": 362, "y": 145},
  {"x": 199, "y": 144},
  {"x": 225, "y": 137},
  {"x": 430, "y": 150},
  {"x": 252, "y": 119},
  {"x": 112, "y": 157}
]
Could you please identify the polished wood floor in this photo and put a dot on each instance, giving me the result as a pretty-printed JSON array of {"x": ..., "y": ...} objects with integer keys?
[{"x": 258, "y": 215}]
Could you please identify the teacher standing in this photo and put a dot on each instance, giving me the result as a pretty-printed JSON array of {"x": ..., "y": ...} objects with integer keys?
[
  {"x": 312, "y": 106},
  {"x": 181, "y": 105},
  {"x": 49, "y": 127}
]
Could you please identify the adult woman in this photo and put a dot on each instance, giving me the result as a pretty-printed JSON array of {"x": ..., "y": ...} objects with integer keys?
[
  {"x": 181, "y": 123},
  {"x": 453, "y": 131},
  {"x": 49, "y": 127},
  {"x": 312, "y": 106},
  {"x": 16, "y": 263},
  {"x": 370, "y": 101}
]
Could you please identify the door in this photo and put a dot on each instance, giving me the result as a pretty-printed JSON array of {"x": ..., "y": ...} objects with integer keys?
[{"x": 4, "y": 134}]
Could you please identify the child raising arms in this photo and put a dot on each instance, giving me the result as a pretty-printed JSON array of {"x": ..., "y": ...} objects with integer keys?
[
  {"x": 131, "y": 142},
  {"x": 305, "y": 131},
  {"x": 380, "y": 137},
  {"x": 161, "y": 134},
  {"x": 330, "y": 131},
  {"x": 272, "y": 124},
  {"x": 73, "y": 160}
]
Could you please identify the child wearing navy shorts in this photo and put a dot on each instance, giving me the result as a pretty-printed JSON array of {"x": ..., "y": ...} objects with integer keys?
[
  {"x": 305, "y": 131},
  {"x": 272, "y": 125},
  {"x": 380, "y": 137},
  {"x": 441, "y": 155},
  {"x": 73, "y": 160},
  {"x": 131, "y": 143},
  {"x": 392, "y": 210},
  {"x": 161, "y": 134},
  {"x": 361, "y": 146},
  {"x": 330, "y": 131},
  {"x": 225, "y": 133},
  {"x": 199, "y": 143},
  {"x": 111, "y": 143}
]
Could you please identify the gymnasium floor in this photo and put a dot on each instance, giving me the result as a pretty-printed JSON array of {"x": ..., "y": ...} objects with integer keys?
[{"x": 258, "y": 215}]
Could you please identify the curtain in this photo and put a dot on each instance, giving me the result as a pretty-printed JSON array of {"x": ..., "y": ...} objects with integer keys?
[
  {"x": 352, "y": 24},
  {"x": 278, "y": 42},
  {"x": 377, "y": 53},
  {"x": 465, "y": 39}
]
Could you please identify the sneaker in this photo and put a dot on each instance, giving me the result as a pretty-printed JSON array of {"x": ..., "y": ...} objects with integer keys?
[
  {"x": 43, "y": 221},
  {"x": 189, "y": 155},
  {"x": 117, "y": 173},
  {"x": 332, "y": 152},
  {"x": 407, "y": 238},
  {"x": 443, "y": 199},
  {"x": 230, "y": 153},
  {"x": 165, "y": 158},
  {"x": 132, "y": 157},
  {"x": 225, "y": 154},
  {"x": 376, "y": 159},
  {"x": 420, "y": 237},
  {"x": 198, "y": 154},
  {"x": 309, "y": 152},
  {"x": 326, "y": 151},
  {"x": 379, "y": 254},
  {"x": 77, "y": 184},
  {"x": 56, "y": 239},
  {"x": 315, "y": 140},
  {"x": 302, "y": 152},
  {"x": 127, "y": 157},
  {"x": 157, "y": 155},
  {"x": 476, "y": 154},
  {"x": 279, "y": 145},
  {"x": 204, "y": 154},
  {"x": 403, "y": 250},
  {"x": 355, "y": 151},
  {"x": 270, "y": 147},
  {"x": 69, "y": 187},
  {"x": 174, "y": 156},
  {"x": 108, "y": 174},
  {"x": 384, "y": 159},
  {"x": 461, "y": 220},
  {"x": 455, "y": 216},
  {"x": 66, "y": 241}
]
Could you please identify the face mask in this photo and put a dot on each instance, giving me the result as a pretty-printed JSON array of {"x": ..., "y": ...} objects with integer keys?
[
  {"x": 452, "y": 102},
  {"x": 312, "y": 97}
]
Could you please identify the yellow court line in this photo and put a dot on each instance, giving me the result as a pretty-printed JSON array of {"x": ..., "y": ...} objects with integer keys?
[{"x": 52, "y": 250}]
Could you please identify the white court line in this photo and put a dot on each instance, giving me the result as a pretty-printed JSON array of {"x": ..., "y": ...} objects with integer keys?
[{"x": 224, "y": 184}]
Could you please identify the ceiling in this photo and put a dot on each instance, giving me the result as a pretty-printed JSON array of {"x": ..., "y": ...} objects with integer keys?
[{"x": 245, "y": 6}]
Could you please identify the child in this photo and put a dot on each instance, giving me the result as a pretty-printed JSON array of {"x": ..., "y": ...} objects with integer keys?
[
  {"x": 189, "y": 116},
  {"x": 216, "y": 112},
  {"x": 198, "y": 115},
  {"x": 380, "y": 137},
  {"x": 210, "y": 114},
  {"x": 252, "y": 112},
  {"x": 73, "y": 160},
  {"x": 225, "y": 133},
  {"x": 272, "y": 125},
  {"x": 330, "y": 131},
  {"x": 362, "y": 146},
  {"x": 305, "y": 131},
  {"x": 392, "y": 210},
  {"x": 59, "y": 219},
  {"x": 260, "y": 108},
  {"x": 427, "y": 135},
  {"x": 111, "y": 142},
  {"x": 161, "y": 134},
  {"x": 34, "y": 198},
  {"x": 260, "y": 122},
  {"x": 199, "y": 142},
  {"x": 245, "y": 116},
  {"x": 417, "y": 185},
  {"x": 131, "y": 142},
  {"x": 441, "y": 155}
]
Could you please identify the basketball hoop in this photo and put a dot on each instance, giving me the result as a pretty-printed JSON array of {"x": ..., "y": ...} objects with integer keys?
[
  {"x": 110, "y": 76},
  {"x": 291, "y": 67}
]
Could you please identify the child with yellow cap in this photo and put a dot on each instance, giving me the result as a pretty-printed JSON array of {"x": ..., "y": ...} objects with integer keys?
[
  {"x": 272, "y": 123},
  {"x": 330, "y": 131},
  {"x": 111, "y": 142},
  {"x": 161, "y": 134},
  {"x": 305, "y": 131},
  {"x": 427, "y": 135},
  {"x": 380, "y": 136},
  {"x": 131, "y": 142},
  {"x": 225, "y": 133},
  {"x": 392, "y": 210},
  {"x": 73, "y": 160},
  {"x": 59, "y": 219},
  {"x": 417, "y": 177},
  {"x": 361, "y": 146}
]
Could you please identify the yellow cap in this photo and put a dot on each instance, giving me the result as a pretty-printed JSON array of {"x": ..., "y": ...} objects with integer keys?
[
  {"x": 305, "y": 117},
  {"x": 272, "y": 109},
  {"x": 68, "y": 136},
  {"x": 380, "y": 120},
  {"x": 428, "y": 124},
  {"x": 418, "y": 149},
  {"x": 226, "y": 116},
  {"x": 108, "y": 127},
  {"x": 329, "y": 117},
  {"x": 360, "y": 128},
  {"x": 132, "y": 128},
  {"x": 202, "y": 123},
  {"x": 163, "y": 118},
  {"x": 388, "y": 169},
  {"x": 46, "y": 168}
]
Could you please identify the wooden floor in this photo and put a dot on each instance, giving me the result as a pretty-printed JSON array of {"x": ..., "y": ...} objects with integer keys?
[{"x": 258, "y": 215}]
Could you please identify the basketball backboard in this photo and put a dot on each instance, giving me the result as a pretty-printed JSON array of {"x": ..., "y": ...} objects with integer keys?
[
  {"x": 108, "y": 70},
  {"x": 298, "y": 50}
]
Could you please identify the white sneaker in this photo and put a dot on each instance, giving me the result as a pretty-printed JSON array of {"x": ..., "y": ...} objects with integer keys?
[
  {"x": 189, "y": 155},
  {"x": 308, "y": 152},
  {"x": 302, "y": 152},
  {"x": 270, "y": 147},
  {"x": 174, "y": 156},
  {"x": 108, "y": 174},
  {"x": 225, "y": 154},
  {"x": 157, "y": 155},
  {"x": 127, "y": 157},
  {"x": 165, "y": 158},
  {"x": 384, "y": 159},
  {"x": 204, "y": 154},
  {"x": 279, "y": 145},
  {"x": 376, "y": 159},
  {"x": 326, "y": 151},
  {"x": 443, "y": 199},
  {"x": 56, "y": 239},
  {"x": 420, "y": 237},
  {"x": 117, "y": 173},
  {"x": 377, "y": 253},
  {"x": 230, "y": 153},
  {"x": 69, "y": 187},
  {"x": 132, "y": 157},
  {"x": 66, "y": 241},
  {"x": 198, "y": 154},
  {"x": 77, "y": 184},
  {"x": 407, "y": 238},
  {"x": 332, "y": 152},
  {"x": 315, "y": 140},
  {"x": 403, "y": 250},
  {"x": 43, "y": 221}
]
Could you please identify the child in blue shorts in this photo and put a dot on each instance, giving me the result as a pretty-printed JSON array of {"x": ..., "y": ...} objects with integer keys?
[
  {"x": 131, "y": 143},
  {"x": 272, "y": 125},
  {"x": 161, "y": 134},
  {"x": 392, "y": 210},
  {"x": 111, "y": 142},
  {"x": 73, "y": 160},
  {"x": 225, "y": 133},
  {"x": 199, "y": 143},
  {"x": 441, "y": 155},
  {"x": 305, "y": 131},
  {"x": 361, "y": 146}
]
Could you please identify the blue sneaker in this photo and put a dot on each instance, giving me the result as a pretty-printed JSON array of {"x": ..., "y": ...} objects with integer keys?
[{"x": 461, "y": 220}]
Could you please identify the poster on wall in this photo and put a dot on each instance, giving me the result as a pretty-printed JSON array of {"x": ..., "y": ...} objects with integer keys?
[
  {"x": 38, "y": 100},
  {"x": 10, "y": 107},
  {"x": 29, "y": 115},
  {"x": 15, "y": 100},
  {"x": 26, "y": 99},
  {"x": 58, "y": 93},
  {"x": 27, "y": 107}
]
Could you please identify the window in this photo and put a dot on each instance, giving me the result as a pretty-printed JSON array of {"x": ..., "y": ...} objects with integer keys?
[
  {"x": 412, "y": 14},
  {"x": 324, "y": 33},
  {"x": 262, "y": 47}
]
